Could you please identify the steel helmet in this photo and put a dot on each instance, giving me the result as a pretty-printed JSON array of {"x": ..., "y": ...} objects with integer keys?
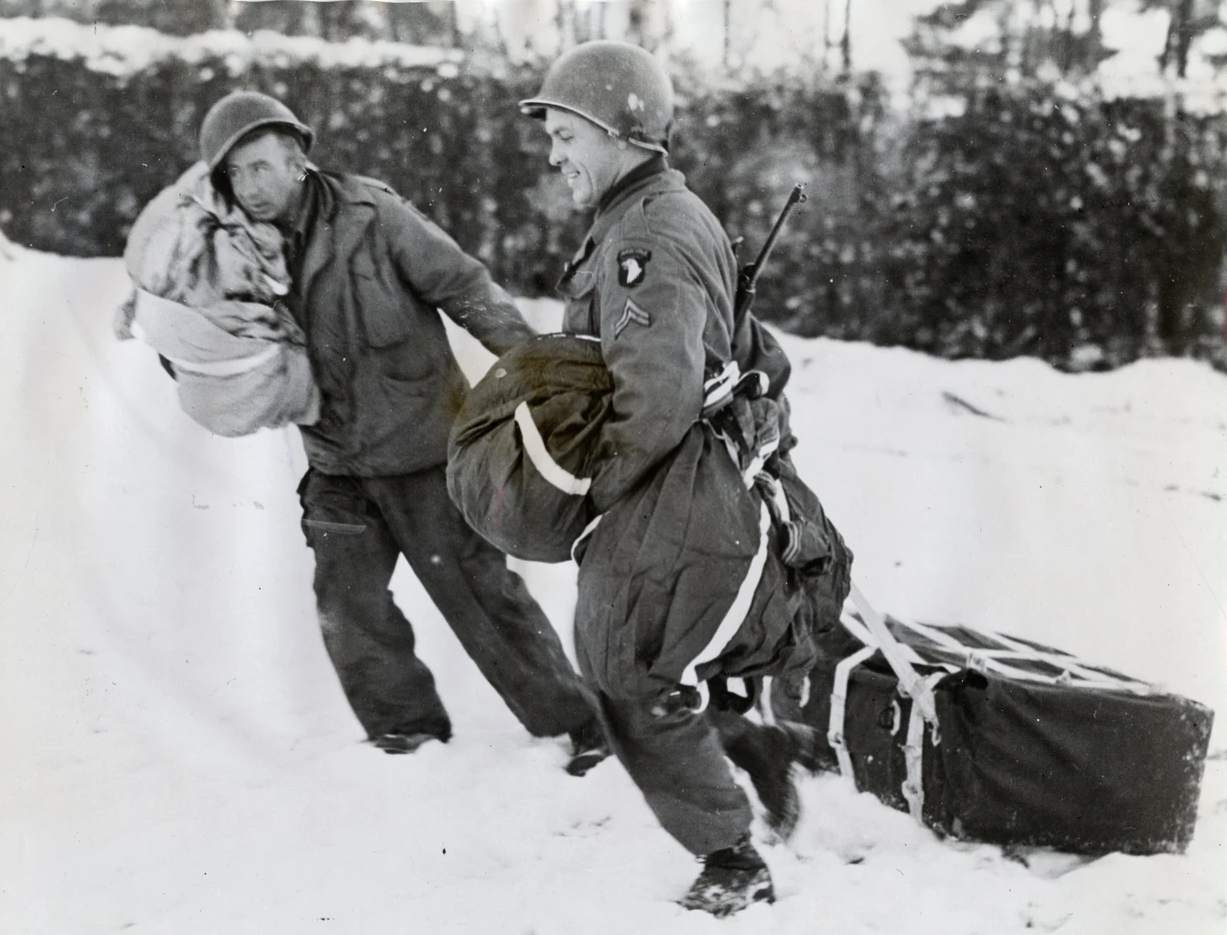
[
  {"x": 237, "y": 114},
  {"x": 618, "y": 86}
]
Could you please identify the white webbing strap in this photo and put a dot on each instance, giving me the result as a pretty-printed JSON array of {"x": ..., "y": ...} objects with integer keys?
[
  {"x": 910, "y": 682},
  {"x": 914, "y": 751},
  {"x": 839, "y": 707},
  {"x": 1071, "y": 668},
  {"x": 226, "y": 368},
  {"x": 983, "y": 659},
  {"x": 765, "y": 707},
  {"x": 854, "y": 626},
  {"x": 214, "y": 368},
  {"x": 587, "y": 531},
  {"x": 720, "y": 387},
  {"x": 767, "y": 447},
  {"x": 543, "y": 461},
  {"x": 735, "y": 616}
]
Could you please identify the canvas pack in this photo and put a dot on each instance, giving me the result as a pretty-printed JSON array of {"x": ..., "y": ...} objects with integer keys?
[{"x": 1001, "y": 740}]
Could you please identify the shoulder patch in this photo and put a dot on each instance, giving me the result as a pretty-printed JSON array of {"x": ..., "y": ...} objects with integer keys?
[
  {"x": 632, "y": 267},
  {"x": 632, "y": 313}
]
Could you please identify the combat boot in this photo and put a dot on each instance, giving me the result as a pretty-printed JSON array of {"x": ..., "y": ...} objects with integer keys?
[
  {"x": 767, "y": 754},
  {"x": 732, "y": 878},
  {"x": 588, "y": 747}
]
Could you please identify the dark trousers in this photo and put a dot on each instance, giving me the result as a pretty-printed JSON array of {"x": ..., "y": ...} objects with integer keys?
[
  {"x": 677, "y": 760},
  {"x": 357, "y": 528}
]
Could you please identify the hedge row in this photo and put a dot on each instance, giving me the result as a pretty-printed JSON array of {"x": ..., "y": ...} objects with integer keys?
[
  {"x": 1067, "y": 227},
  {"x": 1084, "y": 230}
]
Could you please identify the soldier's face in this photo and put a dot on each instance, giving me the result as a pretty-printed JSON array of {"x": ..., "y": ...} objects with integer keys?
[
  {"x": 266, "y": 176},
  {"x": 589, "y": 158}
]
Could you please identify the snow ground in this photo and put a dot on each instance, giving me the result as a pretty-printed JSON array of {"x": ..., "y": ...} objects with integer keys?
[{"x": 177, "y": 757}]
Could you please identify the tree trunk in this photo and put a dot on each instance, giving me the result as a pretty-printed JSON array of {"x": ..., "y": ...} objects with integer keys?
[
  {"x": 1184, "y": 36},
  {"x": 845, "y": 44},
  {"x": 1094, "y": 36},
  {"x": 826, "y": 33},
  {"x": 728, "y": 30},
  {"x": 644, "y": 28}
]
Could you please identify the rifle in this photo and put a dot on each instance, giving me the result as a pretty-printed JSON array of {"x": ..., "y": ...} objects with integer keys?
[{"x": 747, "y": 276}]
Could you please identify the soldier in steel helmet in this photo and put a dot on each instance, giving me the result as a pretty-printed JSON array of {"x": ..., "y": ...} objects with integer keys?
[
  {"x": 655, "y": 280},
  {"x": 369, "y": 277}
]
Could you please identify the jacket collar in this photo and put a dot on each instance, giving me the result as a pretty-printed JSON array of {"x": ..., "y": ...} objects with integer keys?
[
  {"x": 335, "y": 234},
  {"x": 644, "y": 170},
  {"x": 652, "y": 177},
  {"x": 317, "y": 202}
]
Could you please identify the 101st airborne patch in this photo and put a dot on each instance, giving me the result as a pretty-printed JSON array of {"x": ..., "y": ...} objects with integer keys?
[{"x": 632, "y": 267}]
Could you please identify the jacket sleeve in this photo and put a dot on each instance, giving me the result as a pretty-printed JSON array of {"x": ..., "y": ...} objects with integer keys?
[
  {"x": 652, "y": 319},
  {"x": 446, "y": 277}
]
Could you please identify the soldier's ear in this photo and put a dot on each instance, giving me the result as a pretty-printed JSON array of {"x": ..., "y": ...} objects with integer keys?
[{"x": 296, "y": 157}]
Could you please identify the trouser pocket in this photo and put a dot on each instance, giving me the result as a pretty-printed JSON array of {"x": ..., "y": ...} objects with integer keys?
[{"x": 333, "y": 505}]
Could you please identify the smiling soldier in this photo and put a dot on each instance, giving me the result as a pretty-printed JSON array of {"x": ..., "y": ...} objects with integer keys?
[{"x": 655, "y": 281}]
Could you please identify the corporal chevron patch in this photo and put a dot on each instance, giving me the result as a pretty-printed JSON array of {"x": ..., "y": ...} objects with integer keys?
[{"x": 632, "y": 313}]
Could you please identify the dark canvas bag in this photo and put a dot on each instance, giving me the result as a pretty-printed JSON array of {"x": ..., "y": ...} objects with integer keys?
[
  {"x": 996, "y": 739},
  {"x": 524, "y": 446}
]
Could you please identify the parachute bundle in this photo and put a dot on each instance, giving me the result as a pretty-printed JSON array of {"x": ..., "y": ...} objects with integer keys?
[{"x": 208, "y": 280}]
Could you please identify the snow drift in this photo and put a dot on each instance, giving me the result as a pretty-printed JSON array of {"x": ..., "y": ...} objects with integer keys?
[{"x": 178, "y": 757}]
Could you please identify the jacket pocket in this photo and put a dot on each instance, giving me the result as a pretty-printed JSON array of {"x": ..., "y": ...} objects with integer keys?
[
  {"x": 383, "y": 304},
  {"x": 577, "y": 292}
]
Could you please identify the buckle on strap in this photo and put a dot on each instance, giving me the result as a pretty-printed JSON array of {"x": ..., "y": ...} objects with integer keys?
[{"x": 728, "y": 382}]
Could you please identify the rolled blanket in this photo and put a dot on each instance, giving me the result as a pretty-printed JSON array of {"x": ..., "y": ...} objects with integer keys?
[
  {"x": 231, "y": 384},
  {"x": 208, "y": 280}
]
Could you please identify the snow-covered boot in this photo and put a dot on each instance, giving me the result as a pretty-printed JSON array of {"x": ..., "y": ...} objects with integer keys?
[
  {"x": 732, "y": 878},
  {"x": 588, "y": 747},
  {"x": 811, "y": 749},
  {"x": 404, "y": 743},
  {"x": 767, "y": 754}
]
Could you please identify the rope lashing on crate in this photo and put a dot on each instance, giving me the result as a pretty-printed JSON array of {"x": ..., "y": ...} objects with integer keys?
[
  {"x": 839, "y": 704},
  {"x": 941, "y": 653},
  {"x": 910, "y": 682},
  {"x": 986, "y": 659},
  {"x": 914, "y": 752}
]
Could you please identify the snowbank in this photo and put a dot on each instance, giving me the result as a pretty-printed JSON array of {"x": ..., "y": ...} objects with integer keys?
[{"x": 179, "y": 759}]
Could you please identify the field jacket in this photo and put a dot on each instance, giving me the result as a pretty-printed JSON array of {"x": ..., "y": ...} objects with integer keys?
[{"x": 374, "y": 277}]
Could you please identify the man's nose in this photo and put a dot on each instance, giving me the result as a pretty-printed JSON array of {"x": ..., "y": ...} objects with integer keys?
[
  {"x": 555, "y": 156},
  {"x": 242, "y": 186}
]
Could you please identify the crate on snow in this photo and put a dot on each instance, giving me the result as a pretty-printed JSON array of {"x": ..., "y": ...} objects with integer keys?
[{"x": 1002, "y": 740}]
